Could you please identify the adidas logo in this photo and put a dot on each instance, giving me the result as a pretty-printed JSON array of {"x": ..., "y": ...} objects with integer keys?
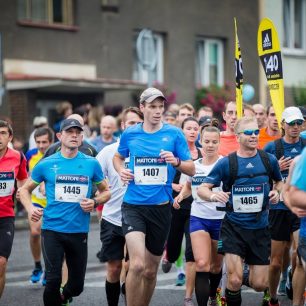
[
  {"x": 130, "y": 228},
  {"x": 294, "y": 150},
  {"x": 9, "y": 233},
  {"x": 249, "y": 166},
  {"x": 266, "y": 39}
]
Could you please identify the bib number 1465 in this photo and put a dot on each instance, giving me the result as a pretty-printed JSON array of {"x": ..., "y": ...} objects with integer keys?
[{"x": 249, "y": 200}]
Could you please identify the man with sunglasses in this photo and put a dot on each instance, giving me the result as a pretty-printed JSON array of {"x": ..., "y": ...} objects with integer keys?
[
  {"x": 245, "y": 235},
  {"x": 284, "y": 225}
]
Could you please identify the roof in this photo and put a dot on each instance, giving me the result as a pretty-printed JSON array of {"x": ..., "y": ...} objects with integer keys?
[{"x": 16, "y": 81}]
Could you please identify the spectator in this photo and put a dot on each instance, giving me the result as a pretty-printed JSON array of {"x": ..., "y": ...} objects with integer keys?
[
  {"x": 64, "y": 109},
  {"x": 108, "y": 126},
  {"x": 38, "y": 122}
]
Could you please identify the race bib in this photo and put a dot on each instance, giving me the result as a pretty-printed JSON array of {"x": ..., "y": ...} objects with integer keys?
[
  {"x": 6, "y": 183},
  {"x": 195, "y": 183},
  {"x": 36, "y": 192},
  {"x": 71, "y": 188},
  {"x": 281, "y": 198},
  {"x": 150, "y": 171},
  {"x": 248, "y": 199},
  {"x": 126, "y": 163}
]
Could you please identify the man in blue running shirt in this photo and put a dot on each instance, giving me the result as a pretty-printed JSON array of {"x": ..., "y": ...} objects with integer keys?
[
  {"x": 111, "y": 234},
  {"x": 294, "y": 195},
  {"x": 155, "y": 150},
  {"x": 245, "y": 236},
  {"x": 68, "y": 176},
  {"x": 284, "y": 225}
]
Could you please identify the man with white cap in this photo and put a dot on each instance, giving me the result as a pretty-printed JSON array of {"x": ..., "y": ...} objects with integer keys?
[
  {"x": 283, "y": 223},
  {"x": 155, "y": 149},
  {"x": 38, "y": 122}
]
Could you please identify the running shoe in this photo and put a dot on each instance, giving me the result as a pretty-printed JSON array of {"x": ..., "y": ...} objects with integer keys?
[
  {"x": 43, "y": 279},
  {"x": 220, "y": 300},
  {"x": 282, "y": 287},
  {"x": 274, "y": 303},
  {"x": 36, "y": 276},
  {"x": 289, "y": 290},
  {"x": 266, "y": 298},
  {"x": 166, "y": 265},
  {"x": 68, "y": 301},
  {"x": 180, "y": 280},
  {"x": 188, "y": 302},
  {"x": 212, "y": 301},
  {"x": 216, "y": 301}
]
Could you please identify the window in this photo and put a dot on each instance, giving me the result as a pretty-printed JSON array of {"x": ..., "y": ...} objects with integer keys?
[
  {"x": 209, "y": 62},
  {"x": 294, "y": 24},
  {"x": 144, "y": 75},
  {"x": 46, "y": 11}
]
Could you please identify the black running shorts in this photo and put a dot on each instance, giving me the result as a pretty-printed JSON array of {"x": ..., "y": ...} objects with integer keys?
[
  {"x": 253, "y": 245},
  {"x": 282, "y": 224},
  {"x": 152, "y": 220},
  {"x": 7, "y": 229},
  {"x": 112, "y": 240}
]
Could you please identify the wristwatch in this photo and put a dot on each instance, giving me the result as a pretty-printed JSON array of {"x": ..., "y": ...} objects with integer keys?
[{"x": 96, "y": 204}]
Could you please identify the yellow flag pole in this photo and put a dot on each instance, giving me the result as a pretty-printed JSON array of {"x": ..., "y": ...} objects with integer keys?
[{"x": 239, "y": 74}]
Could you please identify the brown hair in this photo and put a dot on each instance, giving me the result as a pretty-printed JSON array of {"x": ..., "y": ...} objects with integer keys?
[
  {"x": 131, "y": 109},
  {"x": 7, "y": 125},
  {"x": 243, "y": 120}
]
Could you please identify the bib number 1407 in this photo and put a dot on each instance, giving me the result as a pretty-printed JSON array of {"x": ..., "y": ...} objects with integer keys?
[{"x": 150, "y": 171}]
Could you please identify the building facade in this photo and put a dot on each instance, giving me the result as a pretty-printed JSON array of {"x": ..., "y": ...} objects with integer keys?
[{"x": 88, "y": 51}]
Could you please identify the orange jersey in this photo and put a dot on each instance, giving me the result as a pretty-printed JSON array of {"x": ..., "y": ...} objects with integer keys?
[
  {"x": 264, "y": 138},
  {"x": 228, "y": 144}
]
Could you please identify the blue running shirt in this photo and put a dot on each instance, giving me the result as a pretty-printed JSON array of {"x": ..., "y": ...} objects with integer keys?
[
  {"x": 67, "y": 181},
  {"x": 298, "y": 181},
  {"x": 153, "y": 177},
  {"x": 256, "y": 189},
  {"x": 290, "y": 150}
]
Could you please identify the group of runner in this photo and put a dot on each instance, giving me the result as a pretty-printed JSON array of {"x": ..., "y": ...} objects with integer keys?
[{"x": 158, "y": 183}]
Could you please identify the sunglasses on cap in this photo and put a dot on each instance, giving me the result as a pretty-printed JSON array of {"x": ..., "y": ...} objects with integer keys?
[
  {"x": 250, "y": 132},
  {"x": 295, "y": 122}
]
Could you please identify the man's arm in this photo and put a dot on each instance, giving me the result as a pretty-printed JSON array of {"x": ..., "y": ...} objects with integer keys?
[
  {"x": 294, "y": 198},
  {"x": 102, "y": 195},
  {"x": 20, "y": 183},
  {"x": 185, "y": 166},
  {"x": 25, "y": 191},
  {"x": 104, "y": 192},
  {"x": 125, "y": 174},
  {"x": 275, "y": 193},
  {"x": 205, "y": 193}
]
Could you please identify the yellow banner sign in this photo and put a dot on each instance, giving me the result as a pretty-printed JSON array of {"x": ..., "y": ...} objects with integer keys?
[
  {"x": 239, "y": 74},
  {"x": 270, "y": 55}
]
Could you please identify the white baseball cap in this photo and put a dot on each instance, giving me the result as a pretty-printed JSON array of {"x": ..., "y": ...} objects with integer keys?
[
  {"x": 292, "y": 113},
  {"x": 150, "y": 94}
]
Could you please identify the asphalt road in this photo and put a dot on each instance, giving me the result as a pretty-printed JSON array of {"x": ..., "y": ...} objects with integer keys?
[{"x": 19, "y": 291}]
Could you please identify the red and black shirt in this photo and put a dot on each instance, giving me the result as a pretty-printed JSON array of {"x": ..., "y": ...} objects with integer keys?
[{"x": 13, "y": 167}]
